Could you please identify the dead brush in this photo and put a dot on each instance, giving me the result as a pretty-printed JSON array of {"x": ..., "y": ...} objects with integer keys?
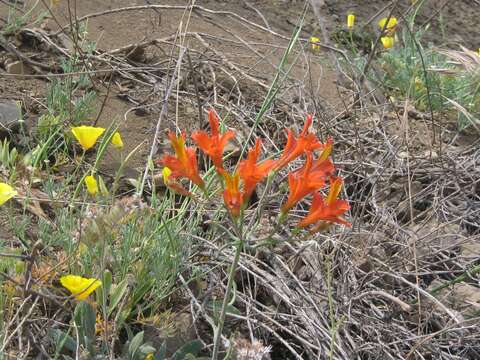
[{"x": 464, "y": 60}]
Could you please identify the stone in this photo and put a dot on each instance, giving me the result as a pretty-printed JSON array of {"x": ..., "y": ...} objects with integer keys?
[
  {"x": 10, "y": 118},
  {"x": 66, "y": 43},
  {"x": 17, "y": 68}
]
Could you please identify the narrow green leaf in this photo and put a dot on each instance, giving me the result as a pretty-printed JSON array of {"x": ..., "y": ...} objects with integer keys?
[{"x": 135, "y": 345}]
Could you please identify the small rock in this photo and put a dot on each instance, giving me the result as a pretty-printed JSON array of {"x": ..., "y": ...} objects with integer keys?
[
  {"x": 137, "y": 54},
  {"x": 17, "y": 68},
  {"x": 463, "y": 299},
  {"x": 10, "y": 117},
  {"x": 67, "y": 43},
  {"x": 470, "y": 249}
]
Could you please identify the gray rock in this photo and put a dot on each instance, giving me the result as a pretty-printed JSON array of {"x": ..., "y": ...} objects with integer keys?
[
  {"x": 15, "y": 67},
  {"x": 10, "y": 118}
]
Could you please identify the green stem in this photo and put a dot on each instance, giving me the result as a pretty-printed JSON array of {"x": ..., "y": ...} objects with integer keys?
[
  {"x": 226, "y": 300},
  {"x": 458, "y": 279},
  {"x": 77, "y": 188},
  {"x": 119, "y": 173}
]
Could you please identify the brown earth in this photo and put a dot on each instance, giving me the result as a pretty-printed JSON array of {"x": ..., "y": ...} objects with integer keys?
[
  {"x": 393, "y": 199},
  {"x": 252, "y": 51},
  {"x": 251, "y": 57}
]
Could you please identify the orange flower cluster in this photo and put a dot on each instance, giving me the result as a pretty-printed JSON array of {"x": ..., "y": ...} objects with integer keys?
[{"x": 307, "y": 180}]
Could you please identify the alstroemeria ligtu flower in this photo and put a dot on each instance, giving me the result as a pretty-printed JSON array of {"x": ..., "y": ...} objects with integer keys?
[
  {"x": 329, "y": 210},
  {"x": 232, "y": 196},
  {"x": 213, "y": 144},
  {"x": 80, "y": 287},
  {"x": 6, "y": 193},
  {"x": 251, "y": 172},
  {"x": 184, "y": 163},
  {"x": 295, "y": 147},
  {"x": 87, "y": 136},
  {"x": 309, "y": 178}
]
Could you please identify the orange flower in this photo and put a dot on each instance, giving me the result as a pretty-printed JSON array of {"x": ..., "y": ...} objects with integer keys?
[
  {"x": 184, "y": 163},
  {"x": 232, "y": 196},
  {"x": 213, "y": 145},
  {"x": 251, "y": 172},
  {"x": 295, "y": 147},
  {"x": 329, "y": 210},
  {"x": 309, "y": 178}
]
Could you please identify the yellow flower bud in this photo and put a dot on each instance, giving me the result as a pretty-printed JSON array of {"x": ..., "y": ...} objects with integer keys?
[
  {"x": 388, "y": 41},
  {"x": 91, "y": 185},
  {"x": 166, "y": 172},
  {"x": 6, "y": 193},
  {"x": 117, "y": 140},
  {"x": 350, "y": 21},
  {"x": 314, "y": 40},
  {"x": 390, "y": 26}
]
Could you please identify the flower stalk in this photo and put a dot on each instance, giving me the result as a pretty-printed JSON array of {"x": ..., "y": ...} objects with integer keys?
[{"x": 223, "y": 311}]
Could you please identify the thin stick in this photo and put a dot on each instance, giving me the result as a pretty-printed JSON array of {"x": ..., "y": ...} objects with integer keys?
[{"x": 163, "y": 113}]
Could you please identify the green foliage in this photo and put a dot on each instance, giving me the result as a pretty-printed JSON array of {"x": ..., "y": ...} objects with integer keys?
[
  {"x": 444, "y": 86},
  {"x": 8, "y": 158},
  {"x": 69, "y": 103},
  {"x": 16, "y": 22},
  {"x": 356, "y": 41}
]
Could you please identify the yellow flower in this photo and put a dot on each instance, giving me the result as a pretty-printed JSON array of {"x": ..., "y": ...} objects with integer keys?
[
  {"x": 313, "y": 41},
  {"x": 117, "y": 140},
  {"x": 6, "y": 193},
  {"x": 388, "y": 41},
  {"x": 91, "y": 185},
  {"x": 166, "y": 172},
  {"x": 87, "y": 136},
  {"x": 350, "y": 21},
  {"x": 149, "y": 356},
  {"x": 390, "y": 26},
  {"x": 79, "y": 286}
]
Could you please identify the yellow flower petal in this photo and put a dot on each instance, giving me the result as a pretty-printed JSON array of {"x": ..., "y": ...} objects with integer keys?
[
  {"x": 87, "y": 136},
  {"x": 350, "y": 21},
  {"x": 6, "y": 193},
  {"x": 117, "y": 141},
  {"x": 389, "y": 27},
  {"x": 166, "y": 172},
  {"x": 392, "y": 22},
  {"x": 388, "y": 41},
  {"x": 79, "y": 286},
  {"x": 149, "y": 356},
  {"x": 91, "y": 185},
  {"x": 313, "y": 41}
]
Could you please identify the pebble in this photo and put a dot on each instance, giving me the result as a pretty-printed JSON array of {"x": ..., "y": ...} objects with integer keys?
[{"x": 15, "y": 67}]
